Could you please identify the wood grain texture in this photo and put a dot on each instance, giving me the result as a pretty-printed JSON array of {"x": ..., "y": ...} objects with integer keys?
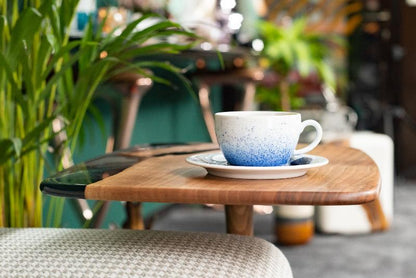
[
  {"x": 173, "y": 149},
  {"x": 134, "y": 216},
  {"x": 351, "y": 177},
  {"x": 239, "y": 219},
  {"x": 376, "y": 216}
]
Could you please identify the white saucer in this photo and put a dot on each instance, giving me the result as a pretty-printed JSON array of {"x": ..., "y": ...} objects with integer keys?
[{"x": 216, "y": 165}]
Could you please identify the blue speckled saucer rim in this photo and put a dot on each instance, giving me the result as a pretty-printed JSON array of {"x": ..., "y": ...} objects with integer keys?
[{"x": 197, "y": 160}]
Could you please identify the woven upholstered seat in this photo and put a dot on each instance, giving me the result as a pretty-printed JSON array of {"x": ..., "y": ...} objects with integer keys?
[{"x": 45, "y": 252}]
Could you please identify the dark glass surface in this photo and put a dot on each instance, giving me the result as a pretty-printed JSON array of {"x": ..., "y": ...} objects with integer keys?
[{"x": 72, "y": 182}]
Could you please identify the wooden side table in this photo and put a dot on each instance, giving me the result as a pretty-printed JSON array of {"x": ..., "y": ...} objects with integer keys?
[
  {"x": 149, "y": 175},
  {"x": 134, "y": 86}
]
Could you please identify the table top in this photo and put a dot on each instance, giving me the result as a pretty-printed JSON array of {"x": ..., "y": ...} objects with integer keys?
[{"x": 161, "y": 174}]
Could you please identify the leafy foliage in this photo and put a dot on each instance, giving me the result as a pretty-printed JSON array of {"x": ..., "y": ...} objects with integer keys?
[
  {"x": 292, "y": 48},
  {"x": 38, "y": 84}
]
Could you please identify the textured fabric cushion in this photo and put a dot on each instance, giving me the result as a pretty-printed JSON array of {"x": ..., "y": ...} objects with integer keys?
[{"x": 45, "y": 252}]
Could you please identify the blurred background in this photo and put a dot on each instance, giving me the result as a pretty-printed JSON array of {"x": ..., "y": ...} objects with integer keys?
[
  {"x": 348, "y": 64},
  {"x": 367, "y": 47}
]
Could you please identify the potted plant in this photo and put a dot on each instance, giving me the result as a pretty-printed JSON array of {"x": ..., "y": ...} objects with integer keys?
[
  {"x": 291, "y": 54},
  {"x": 306, "y": 44},
  {"x": 37, "y": 85}
]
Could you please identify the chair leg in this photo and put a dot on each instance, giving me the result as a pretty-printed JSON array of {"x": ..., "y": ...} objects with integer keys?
[
  {"x": 205, "y": 103},
  {"x": 129, "y": 108},
  {"x": 249, "y": 94}
]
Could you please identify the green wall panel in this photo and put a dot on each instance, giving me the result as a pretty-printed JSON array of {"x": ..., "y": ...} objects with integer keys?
[{"x": 166, "y": 115}]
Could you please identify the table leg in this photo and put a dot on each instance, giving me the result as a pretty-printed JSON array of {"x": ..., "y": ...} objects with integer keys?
[
  {"x": 239, "y": 219},
  {"x": 134, "y": 216},
  {"x": 376, "y": 216}
]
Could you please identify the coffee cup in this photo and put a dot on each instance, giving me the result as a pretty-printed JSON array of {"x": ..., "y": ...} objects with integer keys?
[{"x": 262, "y": 138}]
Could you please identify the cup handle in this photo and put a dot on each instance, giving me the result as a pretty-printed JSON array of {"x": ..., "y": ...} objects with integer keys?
[{"x": 317, "y": 139}]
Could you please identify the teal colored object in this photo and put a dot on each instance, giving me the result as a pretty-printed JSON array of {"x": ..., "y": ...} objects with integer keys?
[{"x": 166, "y": 115}]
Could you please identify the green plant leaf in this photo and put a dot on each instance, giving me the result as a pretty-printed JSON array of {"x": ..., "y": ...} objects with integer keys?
[
  {"x": 9, "y": 72},
  {"x": 66, "y": 14},
  {"x": 44, "y": 53},
  {"x": 9, "y": 148},
  {"x": 130, "y": 38},
  {"x": 62, "y": 52},
  {"x": 125, "y": 34},
  {"x": 6, "y": 151},
  {"x": 157, "y": 30},
  {"x": 57, "y": 77},
  {"x": 137, "y": 67},
  {"x": 23, "y": 31},
  {"x": 4, "y": 31},
  {"x": 172, "y": 69},
  {"x": 151, "y": 49},
  {"x": 17, "y": 145},
  {"x": 326, "y": 73},
  {"x": 38, "y": 131},
  {"x": 303, "y": 57},
  {"x": 298, "y": 27},
  {"x": 50, "y": 11},
  {"x": 38, "y": 83},
  {"x": 98, "y": 118}
]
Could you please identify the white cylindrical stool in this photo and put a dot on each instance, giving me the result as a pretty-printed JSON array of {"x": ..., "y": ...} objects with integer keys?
[{"x": 375, "y": 216}]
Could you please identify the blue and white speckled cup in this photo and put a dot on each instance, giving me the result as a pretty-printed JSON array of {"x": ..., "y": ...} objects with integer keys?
[{"x": 262, "y": 138}]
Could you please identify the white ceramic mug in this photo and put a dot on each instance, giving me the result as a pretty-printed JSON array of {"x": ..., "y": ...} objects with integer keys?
[{"x": 262, "y": 138}]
